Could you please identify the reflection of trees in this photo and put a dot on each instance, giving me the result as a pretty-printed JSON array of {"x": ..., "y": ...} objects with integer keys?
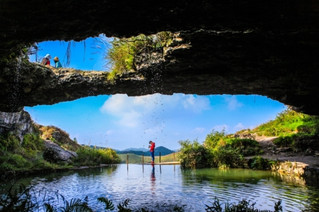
[
  {"x": 216, "y": 176},
  {"x": 108, "y": 170}
]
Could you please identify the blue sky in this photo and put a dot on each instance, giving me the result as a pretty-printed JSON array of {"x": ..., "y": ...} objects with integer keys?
[{"x": 120, "y": 122}]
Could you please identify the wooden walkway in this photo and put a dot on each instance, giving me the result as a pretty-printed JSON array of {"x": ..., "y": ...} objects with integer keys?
[{"x": 164, "y": 163}]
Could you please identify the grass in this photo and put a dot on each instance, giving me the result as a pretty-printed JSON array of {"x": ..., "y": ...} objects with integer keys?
[
  {"x": 16, "y": 156},
  {"x": 88, "y": 156},
  {"x": 289, "y": 122},
  {"x": 123, "y": 52},
  {"x": 295, "y": 130}
]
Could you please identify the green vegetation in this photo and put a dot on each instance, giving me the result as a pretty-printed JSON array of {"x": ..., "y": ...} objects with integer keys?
[
  {"x": 289, "y": 122},
  {"x": 90, "y": 156},
  {"x": 20, "y": 156},
  {"x": 294, "y": 130},
  {"x": 59, "y": 137},
  {"x": 19, "y": 198},
  {"x": 122, "y": 54},
  {"x": 219, "y": 150},
  {"x": 243, "y": 205},
  {"x": 16, "y": 156}
]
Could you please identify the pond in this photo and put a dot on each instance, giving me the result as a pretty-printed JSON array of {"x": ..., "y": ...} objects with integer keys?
[{"x": 166, "y": 185}]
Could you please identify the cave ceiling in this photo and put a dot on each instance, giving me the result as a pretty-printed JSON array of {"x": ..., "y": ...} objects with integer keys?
[{"x": 269, "y": 48}]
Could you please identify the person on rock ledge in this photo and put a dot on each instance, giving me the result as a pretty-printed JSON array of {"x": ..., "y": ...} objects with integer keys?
[
  {"x": 57, "y": 62},
  {"x": 152, "y": 150},
  {"x": 46, "y": 60}
]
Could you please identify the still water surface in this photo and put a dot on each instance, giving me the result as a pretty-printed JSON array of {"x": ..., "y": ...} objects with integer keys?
[{"x": 160, "y": 186}]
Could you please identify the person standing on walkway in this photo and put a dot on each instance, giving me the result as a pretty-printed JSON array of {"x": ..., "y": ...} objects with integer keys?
[{"x": 152, "y": 150}]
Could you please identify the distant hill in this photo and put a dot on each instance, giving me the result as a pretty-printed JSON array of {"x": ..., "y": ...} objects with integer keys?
[
  {"x": 139, "y": 151},
  {"x": 136, "y": 149}
]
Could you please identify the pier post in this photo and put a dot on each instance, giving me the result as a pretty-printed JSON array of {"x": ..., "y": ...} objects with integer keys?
[
  {"x": 160, "y": 157},
  {"x": 143, "y": 158}
]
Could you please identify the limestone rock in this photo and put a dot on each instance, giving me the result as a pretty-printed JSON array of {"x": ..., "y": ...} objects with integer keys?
[
  {"x": 18, "y": 123},
  {"x": 55, "y": 153},
  {"x": 268, "y": 47}
]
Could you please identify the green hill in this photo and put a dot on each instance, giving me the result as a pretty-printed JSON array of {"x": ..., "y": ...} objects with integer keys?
[
  {"x": 163, "y": 150},
  {"x": 137, "y": 159}
]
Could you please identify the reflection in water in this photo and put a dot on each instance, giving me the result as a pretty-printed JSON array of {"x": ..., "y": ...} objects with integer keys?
[
  {"x": 153, "y": 179},
  {"x": 193, "y": 188}
]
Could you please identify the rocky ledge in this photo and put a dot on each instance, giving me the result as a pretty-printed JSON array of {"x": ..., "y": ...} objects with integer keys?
[
  {"x": 187, "y": 66},
  {"x": 233, "y": 47}
]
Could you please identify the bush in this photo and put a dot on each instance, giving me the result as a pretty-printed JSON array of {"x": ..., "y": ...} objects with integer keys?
[
  {"x": 227, "y": 157},
  {"x": 299, "y": 141},
  {"x": 32, "y": 142},
  {"x": 9, "y": 143},
  {"x": 259, "y": 163},
  {"x": 194, "y": 155},
  {"x": 92, "y": 156},
  {"x": 246, "y": 147},
  {"x": 285, "y": 141},
  {"x": 123, "y": 52},
  {"x": 214, "y": 139}
]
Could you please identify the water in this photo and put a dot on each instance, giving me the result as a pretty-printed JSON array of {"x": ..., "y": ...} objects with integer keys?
[{"x": 168, "y": 185}]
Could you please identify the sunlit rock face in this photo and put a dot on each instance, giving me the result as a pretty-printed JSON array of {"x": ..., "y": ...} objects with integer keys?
[
  {"x": 18, "y": 123},
  {"x": 225, "y": 47}
]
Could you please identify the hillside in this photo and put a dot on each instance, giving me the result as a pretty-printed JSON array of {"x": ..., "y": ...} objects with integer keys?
[
  {"x": 290, "y": 134},
  {"x": 137, "y": 159},
  {"x": 137, "y": 151}
]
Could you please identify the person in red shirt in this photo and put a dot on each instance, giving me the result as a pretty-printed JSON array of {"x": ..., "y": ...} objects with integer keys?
[
  {"x": 46, "y": 60},
  {"x": 152, "y": 148}
]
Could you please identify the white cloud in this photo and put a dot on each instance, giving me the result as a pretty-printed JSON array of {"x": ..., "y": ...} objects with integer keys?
[
  {"x": 130, "y": 119},
  {"x": 116, "y": 104},
  {"x": 223, "y": 127},
  {"x": 233, "y": 103},
  {"x": 239, "y": 127},
  {"x": 198, "y": 130},
  {"x": 196, "y": 103},
  {"x": 134, "y": 111}
]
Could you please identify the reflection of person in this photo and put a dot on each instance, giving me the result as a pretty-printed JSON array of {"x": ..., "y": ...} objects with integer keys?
[
  {"x": 152, "y": 149},
  {"x": 57, "y": 62},
  {"x": 153, "y": 179},
  {"x": 46, "y": 60}
]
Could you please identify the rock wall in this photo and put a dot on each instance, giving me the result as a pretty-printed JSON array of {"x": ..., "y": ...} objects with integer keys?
[
  {"x": 18, "y": 123},
  {"x": 230, "y": 47},
  {"x": 297, "y": 172}
]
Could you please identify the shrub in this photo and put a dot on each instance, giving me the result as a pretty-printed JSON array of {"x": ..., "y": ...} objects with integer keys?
[
  {"x": 228, "y": 157},
  {"x": 285, "y": 141},
  {"x": 92, "y": 156},
  {"x": 299, "y": 141},
  {"x": 123, "y": 52},
  {"x": 213, "y": 139},
  {"x": 259, "y": 163},
  {"x": 246, "y": 147},
  {"x": 9, "y": 143},
  {"x": 194, "y": 155},
  {"x": 32, "y": 142}
]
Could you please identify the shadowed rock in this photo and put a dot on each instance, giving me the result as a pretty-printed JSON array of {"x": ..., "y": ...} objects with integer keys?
[{"x": 230, "y": 47}]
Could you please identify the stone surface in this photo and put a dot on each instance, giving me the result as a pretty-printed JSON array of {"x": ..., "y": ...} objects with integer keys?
[
  {"x": 55, "y": 153},
  {"x": 229, "y": 47},
  {"x": 58, "y": 136},
  {"x": 18, "y": 123}
]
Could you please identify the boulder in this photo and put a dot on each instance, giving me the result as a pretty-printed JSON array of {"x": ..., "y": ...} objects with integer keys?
[{"x": 54, "y": 153}]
